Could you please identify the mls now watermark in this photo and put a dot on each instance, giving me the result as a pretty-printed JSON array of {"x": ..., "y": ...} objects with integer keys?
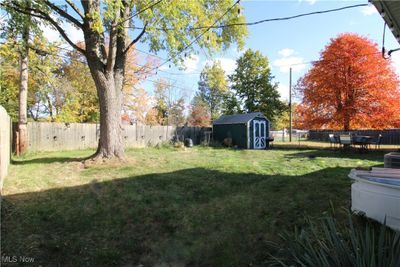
[{"x": 17, "y": 259}]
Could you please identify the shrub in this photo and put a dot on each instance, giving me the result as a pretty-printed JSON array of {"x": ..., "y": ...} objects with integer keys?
[
  {"x": 164, "y": 145},
  {"x": 329, "y": 243}
]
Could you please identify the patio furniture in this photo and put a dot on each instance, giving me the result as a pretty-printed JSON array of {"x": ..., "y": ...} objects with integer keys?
[
  {"x": 362, "y": 141},
  {"x": 333, "y": 140},
  {"x": 392, "y": 160},
  {"x": 377, "y": 142},
  {"x": 345, "y": 141},
  {"x": 270, "y": 141}
]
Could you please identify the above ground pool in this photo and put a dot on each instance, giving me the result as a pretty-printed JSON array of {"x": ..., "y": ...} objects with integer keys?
[{"x": 376, "y": 194}]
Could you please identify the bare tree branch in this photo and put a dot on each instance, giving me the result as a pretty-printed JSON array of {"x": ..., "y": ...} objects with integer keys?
[
  {"x": 63, "y": 14},
  {"x": 75, "y": 8},
  {"x": 43, "y": 15},
  {"x": 136, "y": 39},
  {"x": 22, "y": 10},
  {"x": 65, "y": 36},
  {"x": 141, "y": 11},
  {"x": 96, "y": 42},
  {"x": 112, "y": 47},
  {"x": 122, "y": 34}
]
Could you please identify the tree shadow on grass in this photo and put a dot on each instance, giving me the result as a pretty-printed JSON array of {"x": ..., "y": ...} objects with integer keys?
[
  {"x": 191, "y": 217},
  {"x": 47, "y": 160},
  {"x": 39, "y": 159},
  {"x": 325, "y": 153}
]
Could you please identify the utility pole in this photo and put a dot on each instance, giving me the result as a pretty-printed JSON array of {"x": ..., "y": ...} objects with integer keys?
[{"x": 290, "y": 104}]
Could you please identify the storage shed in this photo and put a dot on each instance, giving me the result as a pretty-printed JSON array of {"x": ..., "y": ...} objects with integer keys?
[{"x": 250, "y": 130}]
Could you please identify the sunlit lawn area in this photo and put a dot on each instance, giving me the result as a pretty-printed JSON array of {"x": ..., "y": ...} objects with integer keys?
[{"x": 169, "y": 207}]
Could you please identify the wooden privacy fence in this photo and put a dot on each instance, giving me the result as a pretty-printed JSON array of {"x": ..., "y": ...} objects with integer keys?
[
  {"x": 47, "y": 136},
  {"x": 389, "y": 136},
  {"x": 5, "y": 144}
]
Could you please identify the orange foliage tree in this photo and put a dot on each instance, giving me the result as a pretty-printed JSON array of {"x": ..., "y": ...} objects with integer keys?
[
  {"x": 152, "y": 117},
  {"x": 199, "y": 116},
  {"x": 136, "y": 101},
  {"x": 351, "y": 87}
]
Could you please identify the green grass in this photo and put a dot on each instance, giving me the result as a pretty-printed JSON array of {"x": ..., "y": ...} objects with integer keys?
[{"x": 168, "y": 207}]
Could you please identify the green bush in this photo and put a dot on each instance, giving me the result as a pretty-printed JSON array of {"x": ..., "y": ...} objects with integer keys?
[
  {"x": 359, "y": 243},
  {"x": 164, "y": 145}
]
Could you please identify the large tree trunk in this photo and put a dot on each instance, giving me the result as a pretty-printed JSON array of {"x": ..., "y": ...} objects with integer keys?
[
  {"x": 111, "y": 143},
  {"x": 346, "y": 121},
  {"x": 23, "y": 96},
  {"x": 107, "y": 68}
]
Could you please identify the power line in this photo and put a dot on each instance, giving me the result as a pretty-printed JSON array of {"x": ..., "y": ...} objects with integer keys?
[
  {"x": 263, "y": 20},
  {"x": 326, "y": 60},
  {"x": 139, "y": 65},
  {"x": 169, "y": 84},
  {"x": 148, "y": 53},
  {"x": 40, "y": 51},
  {"x": 253, "y": 23},
  {"x": 144, "y": 67},
  {"x": 198, "y": 73},
  {"x": 141, "y": 11},
  {"x": 213, "y": 26},
  {"x": 222, "y": 26}
]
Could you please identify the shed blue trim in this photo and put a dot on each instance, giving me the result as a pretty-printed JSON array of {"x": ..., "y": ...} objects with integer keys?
[{"x": 251, "y": 131}]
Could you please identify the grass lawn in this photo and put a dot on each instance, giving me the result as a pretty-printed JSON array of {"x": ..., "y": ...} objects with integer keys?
[{"x": 169, "y": 207}]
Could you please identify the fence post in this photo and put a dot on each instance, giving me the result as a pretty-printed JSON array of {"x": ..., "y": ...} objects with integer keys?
[
  {"x": 136, "y": 131},
  {"x": 11, "y": 138}
]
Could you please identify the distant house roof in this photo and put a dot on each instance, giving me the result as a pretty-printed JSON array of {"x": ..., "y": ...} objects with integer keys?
[
  {"x": 238, "y": 118},
  {"x": 390, "y": 11}
]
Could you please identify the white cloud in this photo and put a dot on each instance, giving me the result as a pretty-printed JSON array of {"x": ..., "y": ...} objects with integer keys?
[
  {"x": 238, "y": 52},
  {"x": 353, "y": 23},
  {"x": 49, "y": 33},
  {"x": 285, "y": 63},
  {"x": 227, "y": 64},
  {"x": 286, "y": 52},
  {"x": 74, "y": 34},
  {"x": 289, "y": 59},
  {"x": 283, "y": 90},
  {"x": 2, "y": 20},
  {"x": 191, "y": 63},
  {"x": 164, "y": 67},
  {"x": 311, "y": 2},
  {"x": 396, "y": 62},
  {"x": 368, "y": 10}
]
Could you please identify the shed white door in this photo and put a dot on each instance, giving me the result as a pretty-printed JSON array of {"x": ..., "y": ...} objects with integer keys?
[{"x": 260, "y": 134}]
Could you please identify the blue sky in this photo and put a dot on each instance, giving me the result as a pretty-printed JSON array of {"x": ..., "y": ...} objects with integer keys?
[
  {"x": 288, "y": 42},
  {"x": 285, "y": 43}
]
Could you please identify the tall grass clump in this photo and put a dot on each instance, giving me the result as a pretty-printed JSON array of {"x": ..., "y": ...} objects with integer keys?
[{"x": 359, "y": 243}]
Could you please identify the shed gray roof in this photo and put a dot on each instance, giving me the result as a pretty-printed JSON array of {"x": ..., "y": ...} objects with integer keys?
[{"x": 238, "y": 118}]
